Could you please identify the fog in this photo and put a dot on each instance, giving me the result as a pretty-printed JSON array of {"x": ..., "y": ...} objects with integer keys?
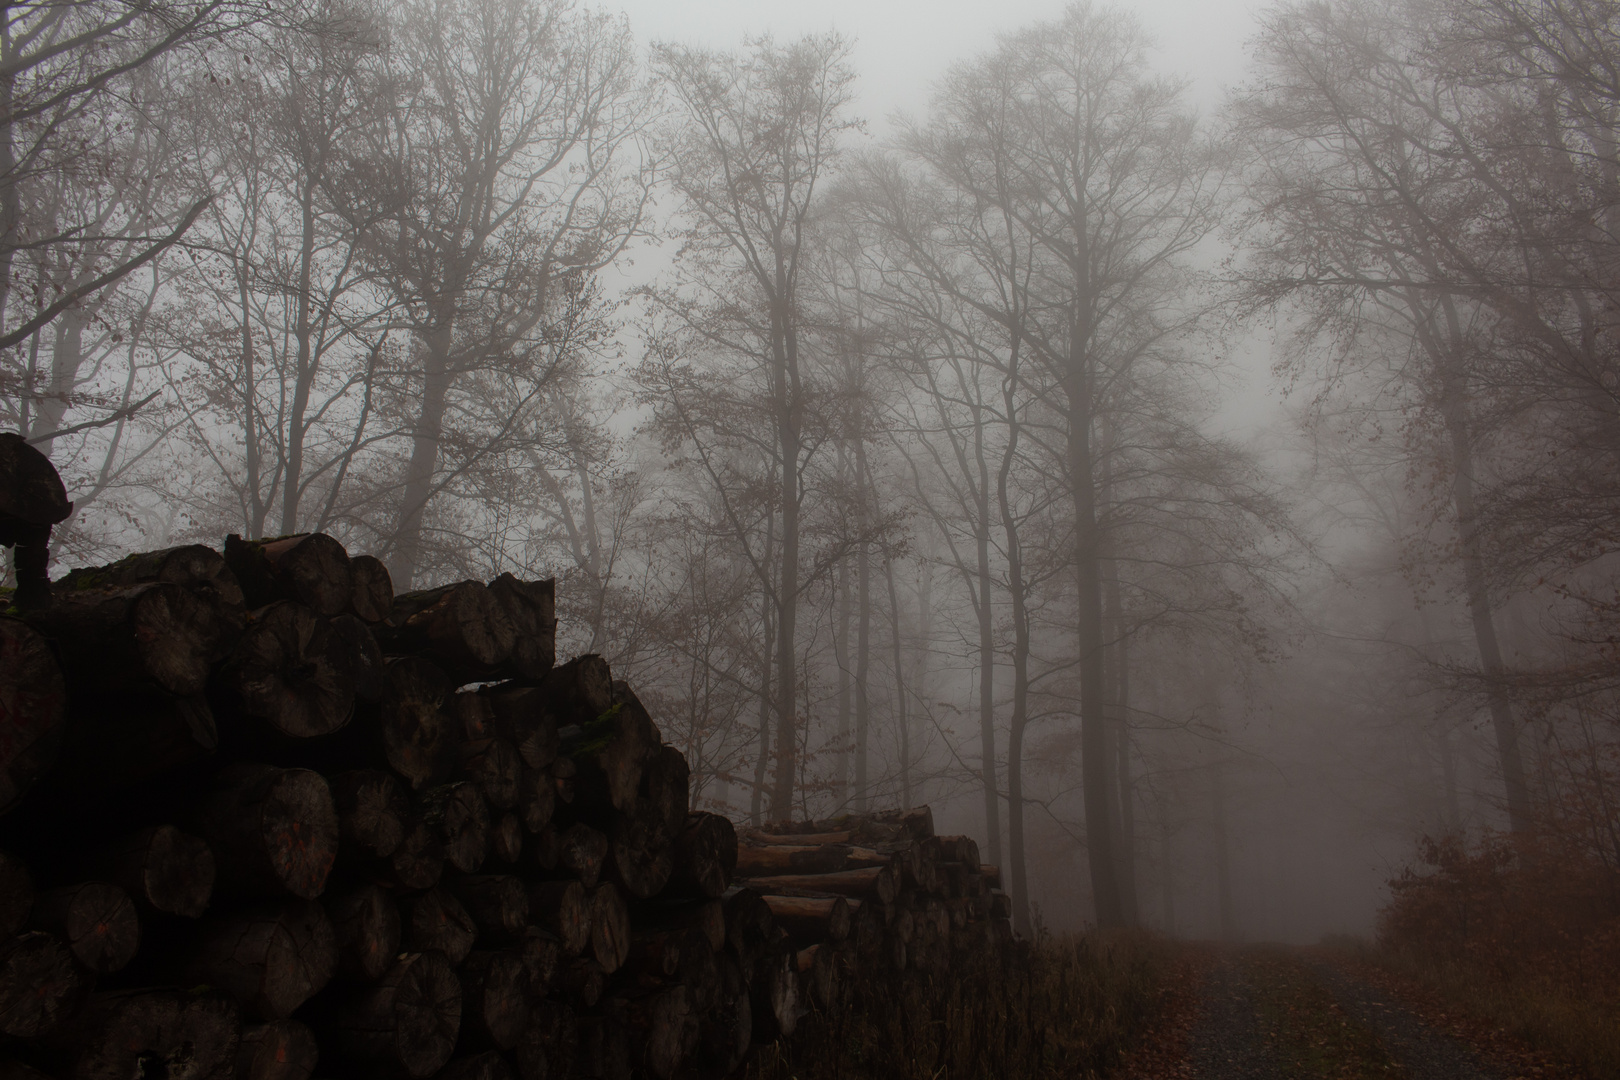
[{"x": 1174, "y": 441}]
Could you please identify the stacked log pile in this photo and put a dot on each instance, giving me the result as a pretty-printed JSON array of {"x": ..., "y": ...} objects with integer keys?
[{"x": 263, "y": 820}]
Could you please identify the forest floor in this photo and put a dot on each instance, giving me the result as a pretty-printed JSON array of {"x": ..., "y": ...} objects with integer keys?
[{"x": 1282, "y": 1013}]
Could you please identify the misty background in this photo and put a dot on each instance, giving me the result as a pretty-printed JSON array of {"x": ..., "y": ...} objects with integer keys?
[{"x": 1174, "y": 441}]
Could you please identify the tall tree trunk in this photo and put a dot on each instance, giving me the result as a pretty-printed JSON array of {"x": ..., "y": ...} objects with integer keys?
[
  {"x": 902, "y": 727},
  {"x": 1454, "y": 408},
  {"x": 863, "y": 633},
  {"x": 1223, "y": 867},
  {"x": 252, "y": 432},
  {"x": 789, "y": 409},
  {"x": 766, "y": 702},
  {"x": 1119, "y": 732},
  {"x": 1020, "y": 655},
  {"x": 987, "y": 661},
  {"x": 1167, "y": 883},
  {"x": 845, "y": 688},
  {"x": 292, "y": 488},
  {"x": 1095, "y": 765},
  {"x": 424, "y": 462}
]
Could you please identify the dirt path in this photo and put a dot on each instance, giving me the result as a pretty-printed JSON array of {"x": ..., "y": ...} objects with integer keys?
[{"x": 1266, "y": 1013}]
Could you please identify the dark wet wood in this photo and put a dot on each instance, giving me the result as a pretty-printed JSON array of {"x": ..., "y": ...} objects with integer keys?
[
  {"x": 809, "y": 919},
  {"x": 459, "y": 818},
  {"x": 419, "y": 738},
  {"x": 279, "y": 1050},
  {"x": 40, "y": 985},
  {"x": 164, "y": 870},
  {"x": 372, "y": 812},
  {"x": 271, "y": 830},
  {"x": 371, "y": 598},
  {"x": 366, "y": 928},
  {"x": 563, "y": 909},
  {"x": 291, "y": 670},
  {"x": 610, "y": 927},
  {"x": 16, "y": 894},
  {"x": 531, "y": 606},
  {"x": 581, "y": 851},
  {"x": 33, "y": 709},
  {"x": 143, "y": 638},
  {"x": 462, "y": 626},
  {"x": 436, "y": 920},
  {"x": 406, "y": 1022},
  {"x": 95, "y": 919},
  {"x": 200, "y": 569},
  {"x": 498, "y": 903},
  {"x": 704, "y": 857},
  {"x": 271, "y": 958},
  {"x": 494, "y": 766},
  {"x": 311, "y": 568},
  {"x": 156, "y": 1033},
  {"x": 767, "y": 859},
  {"x": 494, "y": 1000}
]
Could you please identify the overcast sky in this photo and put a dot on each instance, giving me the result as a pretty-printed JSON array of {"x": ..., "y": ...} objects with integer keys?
[{"x": 902, "y": 46}]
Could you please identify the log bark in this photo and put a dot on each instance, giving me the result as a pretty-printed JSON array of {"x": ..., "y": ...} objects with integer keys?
[
  {"x": 582, "y": 980},
  {"x": 474, "y": 710},
  {"x": 769, "y": 859},
  {"x": 563, "y": 772},
  {"x": 494, "y": 1000},
  {"x": 818, "y": 974},
  {"x": 610, "y": 927},
  {"x": 436, "y": 921},
  {"x": 705, "y": 857},
  {"x": 611, "y": 750},
  {"x": 531, "y": 606},
  {"x": 419, "y": 739},
  {"x": 280, "y": 1050},
  {"x": 271, "y": 830},
  {"x": 271, "y": 958},
  {"x": 494, "y": 766},
  {"x": 95, "y": 919},
  {"x": 310, "y": 568},
  {"x": 581, "y": 851},
  {"x": 202, "y": 570},
  {"x": 498, "y": 903},
  {"x": 664, "y": 1025},
  {"x": 563, "y": 909},
  {"x": 152, "y": 637},
  {"x": 33, "y": 709},
  {"x": 406, "y": 1023},
  {"x": 156, "y": 1033},
  {"x": 918, "y": 822},
  {"x": 366, "y": 929},
  {"x": 462, "y": 626},
  {"x": 809, "y": 919},
  {"x": 292, "y": 671},
  {"x": 162, "y": 869},
  {"x": 40, "y": 985},
  {"x": 536, "y": 799},
  {"x": 506, "y": 839},
  {"x": 16, "y": 894},
  {"x": 669, "y": 788},
  {"x": 372, "y": 812},
  {"x": 757, "y": 836},
  {"x": 459, "y": 818},
  {"x": 371, "y": 597},
  {"x": 877, "y": 882}
]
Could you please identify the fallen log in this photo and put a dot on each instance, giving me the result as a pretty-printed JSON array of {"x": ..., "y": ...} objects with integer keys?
[
  {"x": 144, "y": 638},
  {"x": 640, "y": 856},
  {"x": 406, "y": 1022},
  {"x": 271, "y": 958},
  {"x": 506, "y": 839},
  {"x": 372, "y": 812},
  {"x": 494, "y": 1000},
  {"x": 498, "y": 903},
  {"x": 520, "y": 715},
  {"x": 459, "y": 819},
  {"x": 371, "y": 596},
  {"x": 272, "y": 831},
  {"x": 366, "y": 930},
  {"x": 563, "y": 909},
  {"x": 809, "y": 919},
  {"x": 779, "y": 859},
  {"x": 704, "y": 860},
  {"x": 293, "y": 672},
  {"x": 155, "y": 1033},
  {"x": 419, "y": 739},
  {"x": 877, "y": 882},
  {"x": 40, "y": 985},
  {"x": 279, "y": 1050},
  {"x": 310, "y": 568},
  {"x": 435, "y": 921},
  {"x": 418, "y": 861},
  {"x": 194, "y": 567},
  {"x": 494, "y": 766},
  {"x": 531, "y": 606},
  {"x": 462, "y": 626},
  {"x": 581, "y": 852},
  {"x": 96, "y": 920},
  {"x": 610, "y": 927}
]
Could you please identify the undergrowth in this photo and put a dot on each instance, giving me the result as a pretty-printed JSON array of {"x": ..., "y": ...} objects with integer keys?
[
  {"x": 1525, "y": 935},
  {"x": 1061, "y": 1007}
]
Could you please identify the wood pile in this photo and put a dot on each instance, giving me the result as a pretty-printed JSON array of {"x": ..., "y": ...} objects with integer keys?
[{"x": 263, "y": 820}]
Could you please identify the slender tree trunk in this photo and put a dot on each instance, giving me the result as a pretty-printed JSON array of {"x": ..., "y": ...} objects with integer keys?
[
  {"x": 767, "y": 617},
  {"x": 785, "y": 350},
  {"x": 1095, "y": 764},
  {"x": 1454, "y": 408},
  {"x": 903, "y": 728},
  {"x": 67, "y": 354},
  {"x": 1020, "y": 655},
  {"x": 987, "y": 663},
  {"x": 292, "y": 488},
  {"x": 863, "y": 634},
  {"x": 424, "y": 461},
  {"x": 258, "y": 509},
  {"x": 1223, "y": 868},
  {"x": 1119, "y": 732},
  {"x": 841, "y": 657},
  {"x": 1167, "y": 884}
]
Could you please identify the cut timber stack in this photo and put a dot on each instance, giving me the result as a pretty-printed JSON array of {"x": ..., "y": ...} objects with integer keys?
[{"x": 261, "y": 819}]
